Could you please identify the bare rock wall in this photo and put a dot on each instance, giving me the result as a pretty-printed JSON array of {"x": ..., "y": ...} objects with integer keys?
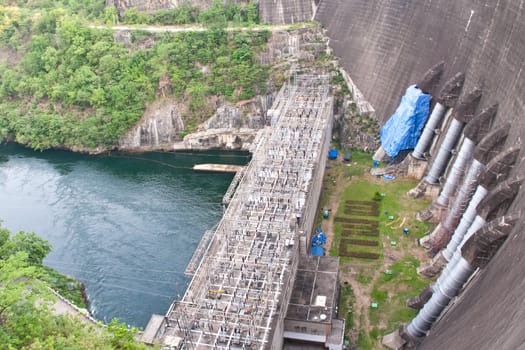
[{"x": 286, "y": 11}]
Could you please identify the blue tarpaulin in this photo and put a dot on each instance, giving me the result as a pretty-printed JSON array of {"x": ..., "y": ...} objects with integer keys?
[
  {"x": 317, "y": 250},
  {"x": 319, "y": 239},
  {"x": 404, "y": 127}
]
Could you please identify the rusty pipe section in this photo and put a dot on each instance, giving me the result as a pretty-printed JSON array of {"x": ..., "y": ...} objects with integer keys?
[
  {"x": 477, "y": 251},
  {"x": 466, "y": 221}
]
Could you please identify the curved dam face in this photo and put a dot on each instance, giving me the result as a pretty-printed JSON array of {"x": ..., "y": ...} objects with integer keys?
[{"x": 387, "y": 45}]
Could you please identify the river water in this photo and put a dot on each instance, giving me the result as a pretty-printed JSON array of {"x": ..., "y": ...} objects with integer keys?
[{"x": 126, "y": 224}]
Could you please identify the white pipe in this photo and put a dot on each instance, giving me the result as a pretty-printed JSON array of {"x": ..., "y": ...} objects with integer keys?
[
  {"x": 447, "y": 290},
  {"x": 465, "y": 223},
  {"x": 478, "y": 223},
  {"x": 440, "y": 162},
  {"x": 457, "y": 172},
  {"x": 428, "y": 132}
]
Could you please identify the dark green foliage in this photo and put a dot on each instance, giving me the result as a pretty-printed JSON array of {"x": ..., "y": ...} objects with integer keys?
[
  {"x": 183, "y": 14},
  {"x": 35, "y": 247},
  {"x": 26, "y": 319},
  {"x": 346, "y": 305},
  {"x": 66, "y": 286},
  {"x": 76, "y": 87},
  {"x": 133, "y": 16},
  {"x": 377, "y": 197},
  {"x": 90, "y": 9},
  {"x": 217, "y": 14}
]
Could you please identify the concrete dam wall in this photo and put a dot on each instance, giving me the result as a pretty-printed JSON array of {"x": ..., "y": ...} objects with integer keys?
[{"x": 387, "y": 45}]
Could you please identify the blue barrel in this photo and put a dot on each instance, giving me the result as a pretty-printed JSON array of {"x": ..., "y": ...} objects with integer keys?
[{"x": 333, "y": 154}]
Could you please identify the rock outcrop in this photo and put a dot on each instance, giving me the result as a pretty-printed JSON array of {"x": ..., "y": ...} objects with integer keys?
[
  {"x": 160, "y": 127},
  {"x": 287, "y": 11},
  {"x": 231, "y": 126}
]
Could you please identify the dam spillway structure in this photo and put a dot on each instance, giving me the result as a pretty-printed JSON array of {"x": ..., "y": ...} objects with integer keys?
[{"x": 239, "y": 293}]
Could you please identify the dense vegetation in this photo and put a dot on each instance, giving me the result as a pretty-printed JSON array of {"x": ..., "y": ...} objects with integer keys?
[
  {"x": 233, "y": 13},
  {"x": 63, "y": 84},
  {"x": 26, "y": 320}
]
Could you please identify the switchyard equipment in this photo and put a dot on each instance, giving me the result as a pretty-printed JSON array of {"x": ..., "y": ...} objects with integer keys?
[{"x": 239, "y": 293}]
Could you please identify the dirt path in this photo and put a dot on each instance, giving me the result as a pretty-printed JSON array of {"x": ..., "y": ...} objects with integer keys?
[
  {"x": 196, "y": 28},
  {"x": 332, "y": 205}
]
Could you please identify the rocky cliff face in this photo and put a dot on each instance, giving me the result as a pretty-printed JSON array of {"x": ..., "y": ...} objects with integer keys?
[
  {"x": 286, "y": 11},
  {"x": 231, "y": 126},
  {"x": 160, "y": 126}
]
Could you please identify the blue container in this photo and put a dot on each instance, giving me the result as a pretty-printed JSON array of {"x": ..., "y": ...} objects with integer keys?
[{"x": 333, "y": 154}]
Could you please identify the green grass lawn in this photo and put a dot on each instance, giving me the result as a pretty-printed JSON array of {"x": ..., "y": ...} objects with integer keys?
[{"x": 396, "y": 211}]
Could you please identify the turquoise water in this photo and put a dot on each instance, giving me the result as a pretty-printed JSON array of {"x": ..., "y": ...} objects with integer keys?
[{"x": 126, "y": 224}]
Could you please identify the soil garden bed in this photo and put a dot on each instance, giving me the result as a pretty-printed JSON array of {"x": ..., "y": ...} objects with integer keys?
[
  {"x": 353, "y": 220},
  {"x": 359, "y": 233},
  {"x": 363, "y": 242}
]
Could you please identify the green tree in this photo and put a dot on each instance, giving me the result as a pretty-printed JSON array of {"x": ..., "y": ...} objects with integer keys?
[
  {"x": 19, "y": 286},
  {"x": 197, "y": 92},
  {"x": 215, "y": 16},
  {"x": 110, "y": 15},
  {"x": 35, "y": 247},
  {"x": 9, "y": 80},
  {"x": 4, "y": 236},
  {"x": 133, "y": 16},
  {"x": 252, "y": 13}
]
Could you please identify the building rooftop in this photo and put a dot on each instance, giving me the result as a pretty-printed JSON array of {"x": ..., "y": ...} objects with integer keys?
[{"x": 314, "y": 292}]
